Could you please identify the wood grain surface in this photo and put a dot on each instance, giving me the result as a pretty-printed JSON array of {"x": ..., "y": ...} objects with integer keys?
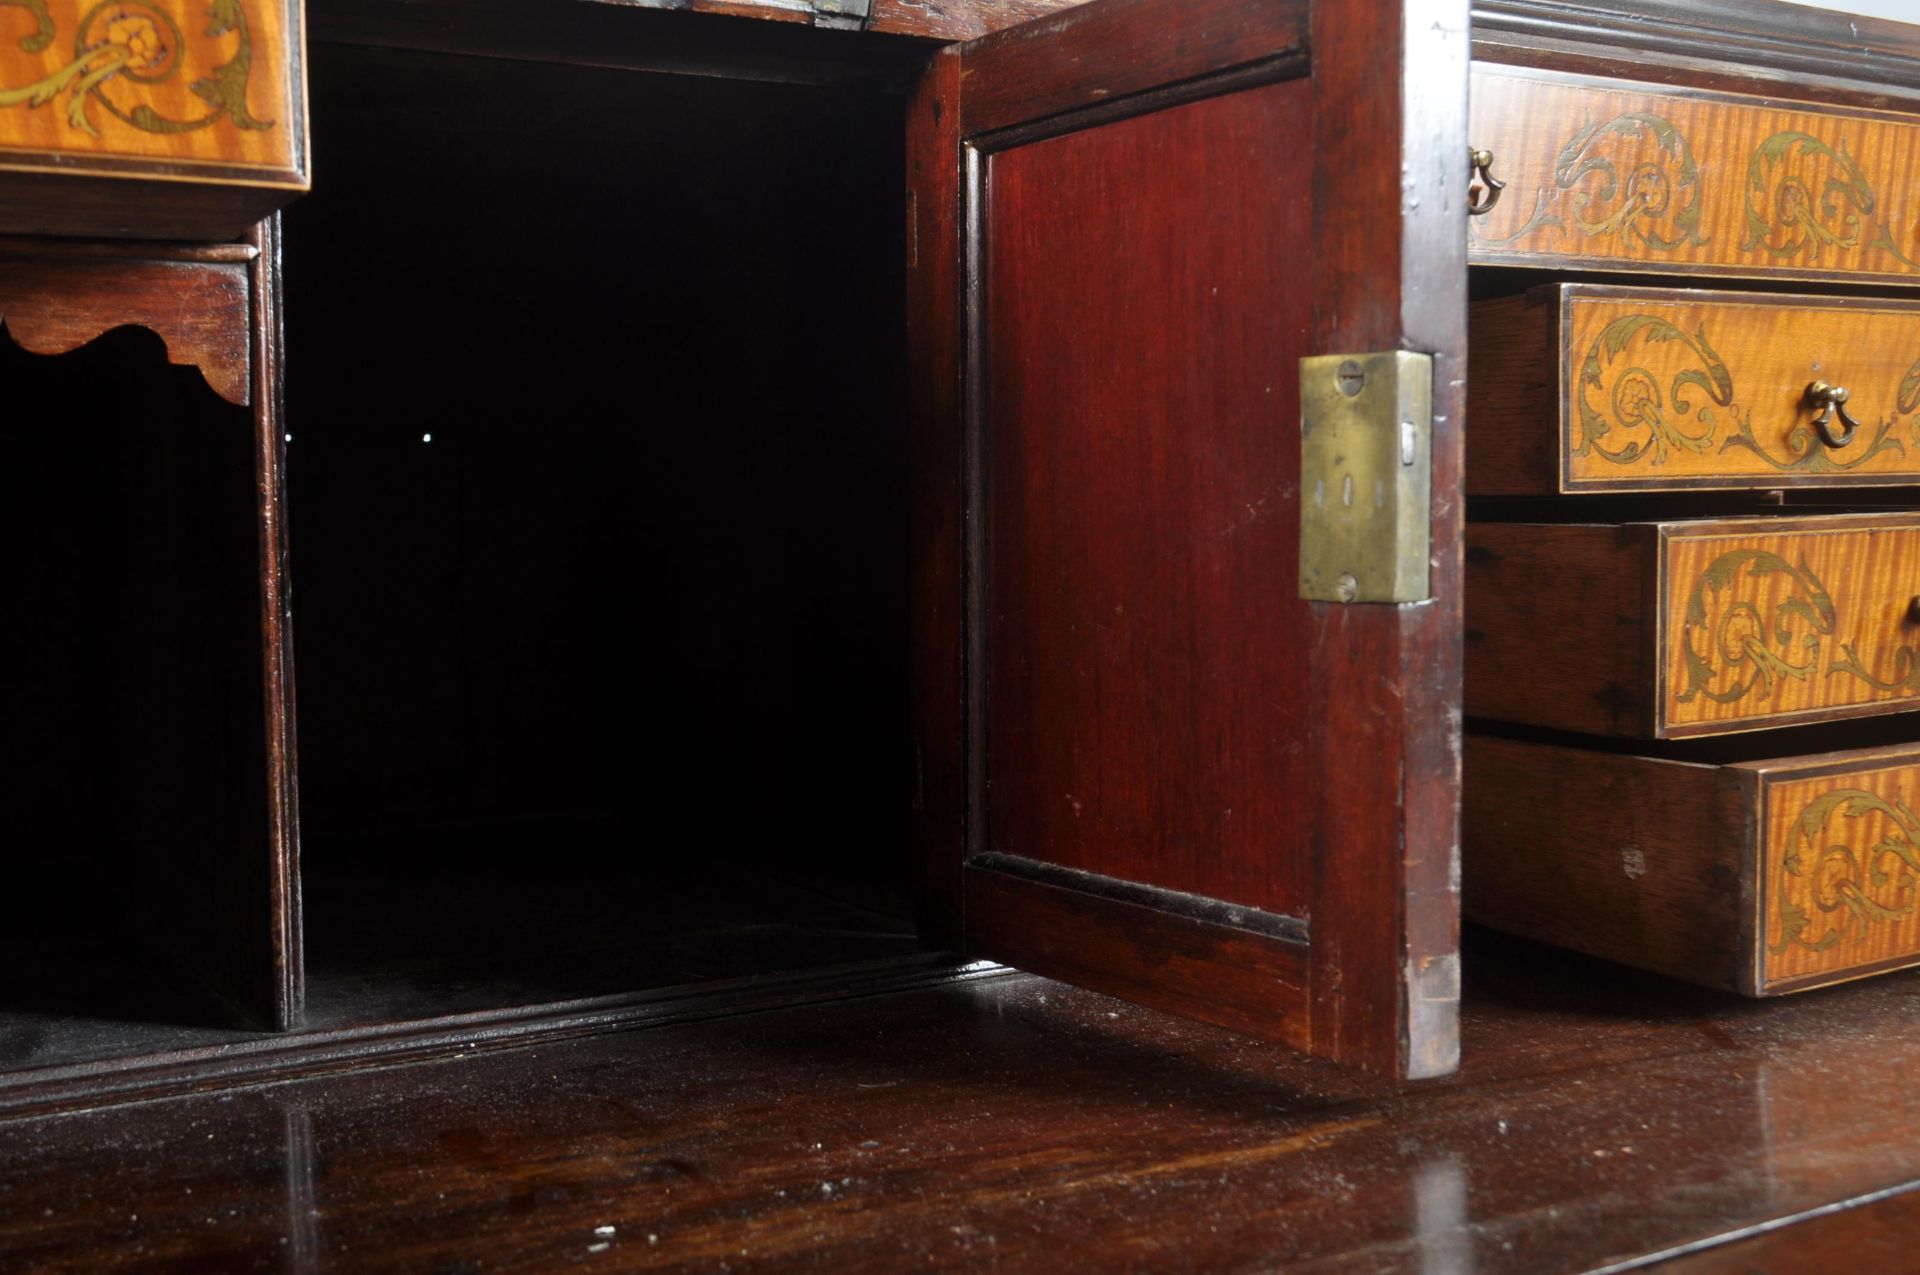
[
  {"x": 1636, "y": 859},
  {"x": 178, "y": 85},
  {"x": 1777, "y": 622},
  {"x": 1135, "y": 678},
  {"x": 1662, "y": 630},
  {"x": 1591, "y": 388},
  {"x": 1840, "y": 859},
  {"x": 200, "y": 309},
  {"x": 1600, "y": 1117},
  {"x": 1605, "y": 175},
  {"x": 1147, "y": 713},
  {"x": 1554, "y": 626},
  {"x": 1760, "y": 877}
]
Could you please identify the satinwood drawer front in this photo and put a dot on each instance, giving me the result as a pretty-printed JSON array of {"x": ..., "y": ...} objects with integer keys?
[
  {"x": 158, "y": 118},
  {"x": 1609, "y": 175},
  {"x": 1585, "y": 388},
  {"x": 1671, "y": 629},
  {"x": 1764, "y": 877}
]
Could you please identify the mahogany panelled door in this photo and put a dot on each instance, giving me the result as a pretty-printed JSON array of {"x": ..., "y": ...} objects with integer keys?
[{"x": 1147, "y": 764}]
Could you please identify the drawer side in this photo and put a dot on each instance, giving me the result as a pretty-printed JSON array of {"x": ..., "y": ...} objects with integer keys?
[
  {"x": 1634, "y": 859},
  {"x": 1554, "y": 634}
]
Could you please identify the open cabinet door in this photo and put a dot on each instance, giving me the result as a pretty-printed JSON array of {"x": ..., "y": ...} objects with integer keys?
[{"x": 1169, "y": 745}]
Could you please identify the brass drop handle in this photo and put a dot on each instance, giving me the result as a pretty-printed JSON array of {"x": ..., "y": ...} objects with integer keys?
[
  {"x": 1482, "y": 162},
  {"x": 1831, "y": 399}
]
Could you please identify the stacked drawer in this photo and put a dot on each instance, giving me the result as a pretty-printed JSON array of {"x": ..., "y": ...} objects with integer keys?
[
  {"x": 151, "y": 119},
  {"x": 1595, "y": 634}
]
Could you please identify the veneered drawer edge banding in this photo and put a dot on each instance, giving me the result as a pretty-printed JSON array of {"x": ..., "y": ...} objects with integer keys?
[
  {"x": 1613, "y": 175},
  {"x": 1598, "y": 388},
  {"x": 1775, "y": 622},
  {"x": 1840, "y": 865}
]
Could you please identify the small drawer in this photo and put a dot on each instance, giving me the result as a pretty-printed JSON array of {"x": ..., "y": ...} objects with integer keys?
[
  {"x": 1589, "y": 388},
  {"x": 1669, "y": 629},
  {"x": 1606, "y": 174},
  {"x": 1763, "y": 877},
  {"x": 149, "y": 118}
]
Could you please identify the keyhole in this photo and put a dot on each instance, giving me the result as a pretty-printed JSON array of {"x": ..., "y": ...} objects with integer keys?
[{"x": 1351, "y": 378}]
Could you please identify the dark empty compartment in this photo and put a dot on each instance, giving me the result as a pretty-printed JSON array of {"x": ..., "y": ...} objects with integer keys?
[
  {"x": 132, "y": 773},
  {"x": 597, "y": 484}
]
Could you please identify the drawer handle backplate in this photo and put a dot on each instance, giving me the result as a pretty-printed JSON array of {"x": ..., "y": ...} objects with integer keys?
[{"x": 1830, "y": 399}]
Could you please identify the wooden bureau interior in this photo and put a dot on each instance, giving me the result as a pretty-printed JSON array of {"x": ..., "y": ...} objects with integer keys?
[
  {"x": 599, "y": 596},
  {"x": 598, "y": 468},
  {"x": 596, "y": 492}
]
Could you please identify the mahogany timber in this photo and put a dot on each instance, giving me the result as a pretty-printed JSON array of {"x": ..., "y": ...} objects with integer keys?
[
  {"x": 937, "y": 599},
  {"x": 1759, "y": 877},
  {"x": 1602, "y": 1117},
  {"x": 1592, "y": 388},
  {"x": 270, "y": 882},
  {"x": 55, "y": 301},
  {"x": 1083, "y": 99},
  {"x": 1147, "y": 710},
  {"x": 1612, "y": 175},
  {"x": 1873, "y": 1234},
  {"x": 232, "y": 896},
  {"x": 1637, "y": 859},
  {"x": 1527, "y": 584}
]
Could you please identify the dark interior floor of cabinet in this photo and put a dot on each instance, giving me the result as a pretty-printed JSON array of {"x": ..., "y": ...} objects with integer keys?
[
  {"x": 407, "y": 947},
  {"x": 413, "y": 946}
]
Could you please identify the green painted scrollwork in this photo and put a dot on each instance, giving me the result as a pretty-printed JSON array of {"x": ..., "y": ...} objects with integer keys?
[
  {"x": 1807, "y": 454},
  {"x": 1904, "y": 678},
  {"x": 1723, "y": 633},
  {"x": 1804, "y": 196},
  {"x": 42, "y": 35},
  {"x": 1849, "y": 888},
  {"x": 1634, "y": 397},
  {"x": 121, "y": 43},
  {"x": 1655, "y": 202}
]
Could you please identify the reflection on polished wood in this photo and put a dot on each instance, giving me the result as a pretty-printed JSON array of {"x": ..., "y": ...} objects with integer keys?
[{"x": 1598, "y": 1116}]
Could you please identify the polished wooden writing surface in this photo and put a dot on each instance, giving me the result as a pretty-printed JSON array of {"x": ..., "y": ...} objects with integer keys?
[{"x": 1151, "y": 767}]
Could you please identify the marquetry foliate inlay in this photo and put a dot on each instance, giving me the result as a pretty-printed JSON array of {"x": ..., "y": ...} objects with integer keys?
[
  {"x": 1623, "y": 176},
  {"x": 171, "y": 80},
  {"x": 1841, "y": 873},
  {"x": 1775, "y": 625},
  {"x": 1669, "y": 386}
]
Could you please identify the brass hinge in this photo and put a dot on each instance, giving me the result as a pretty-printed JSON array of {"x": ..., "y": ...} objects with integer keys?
[{"x": 1366, "y": 476}]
